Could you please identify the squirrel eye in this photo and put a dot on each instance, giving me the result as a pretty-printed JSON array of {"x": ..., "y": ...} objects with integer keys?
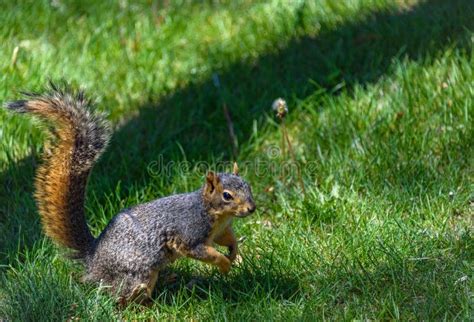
[{"x": 227, "y": 196}]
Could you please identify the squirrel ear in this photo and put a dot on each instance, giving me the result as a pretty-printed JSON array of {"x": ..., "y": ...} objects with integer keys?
[
  {"x": 235, "y": 170},
  {"x": 212, "y": 181}
]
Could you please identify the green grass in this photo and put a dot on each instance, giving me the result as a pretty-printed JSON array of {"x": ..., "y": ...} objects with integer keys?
[{"x": 381, "y": 97}]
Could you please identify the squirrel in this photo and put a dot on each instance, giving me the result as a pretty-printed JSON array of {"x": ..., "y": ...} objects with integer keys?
[{"x": 141, "y": 240}]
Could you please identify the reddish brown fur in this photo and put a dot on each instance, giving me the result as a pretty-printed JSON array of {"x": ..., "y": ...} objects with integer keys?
[
  {"x": 59, "y": 191},
  {"x": 227, "y": 239},
  {"x": 52, "y": 185}
]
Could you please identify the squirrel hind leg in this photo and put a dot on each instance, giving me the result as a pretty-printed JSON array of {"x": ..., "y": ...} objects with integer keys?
[
  {"x": 139, "y": 295},
  {"x": 138, "y": 288}
]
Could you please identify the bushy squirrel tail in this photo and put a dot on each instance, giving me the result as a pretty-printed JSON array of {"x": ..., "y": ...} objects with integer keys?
[{"x": 79, "y": 138}]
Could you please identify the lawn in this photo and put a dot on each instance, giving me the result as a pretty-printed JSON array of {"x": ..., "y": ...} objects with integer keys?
[{"x": 381, "y": 108}]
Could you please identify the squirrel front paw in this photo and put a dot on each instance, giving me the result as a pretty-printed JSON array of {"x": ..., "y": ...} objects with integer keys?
[
  {"x": 224, "y": 265},
  {"x": 232, "y": 253}
]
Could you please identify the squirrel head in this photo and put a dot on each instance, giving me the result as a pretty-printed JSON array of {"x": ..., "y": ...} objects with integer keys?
[{"x": 228, "y": 194}]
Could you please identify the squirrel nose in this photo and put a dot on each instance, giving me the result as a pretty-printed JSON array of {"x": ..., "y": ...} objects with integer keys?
[{"x": 252, "y": 208}]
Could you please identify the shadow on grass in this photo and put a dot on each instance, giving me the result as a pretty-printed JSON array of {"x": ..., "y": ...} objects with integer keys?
[
  {"x": 232, "y": 289},
  {"x": 191, "y": 119},
  {"x": 19, "y": 221}
]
